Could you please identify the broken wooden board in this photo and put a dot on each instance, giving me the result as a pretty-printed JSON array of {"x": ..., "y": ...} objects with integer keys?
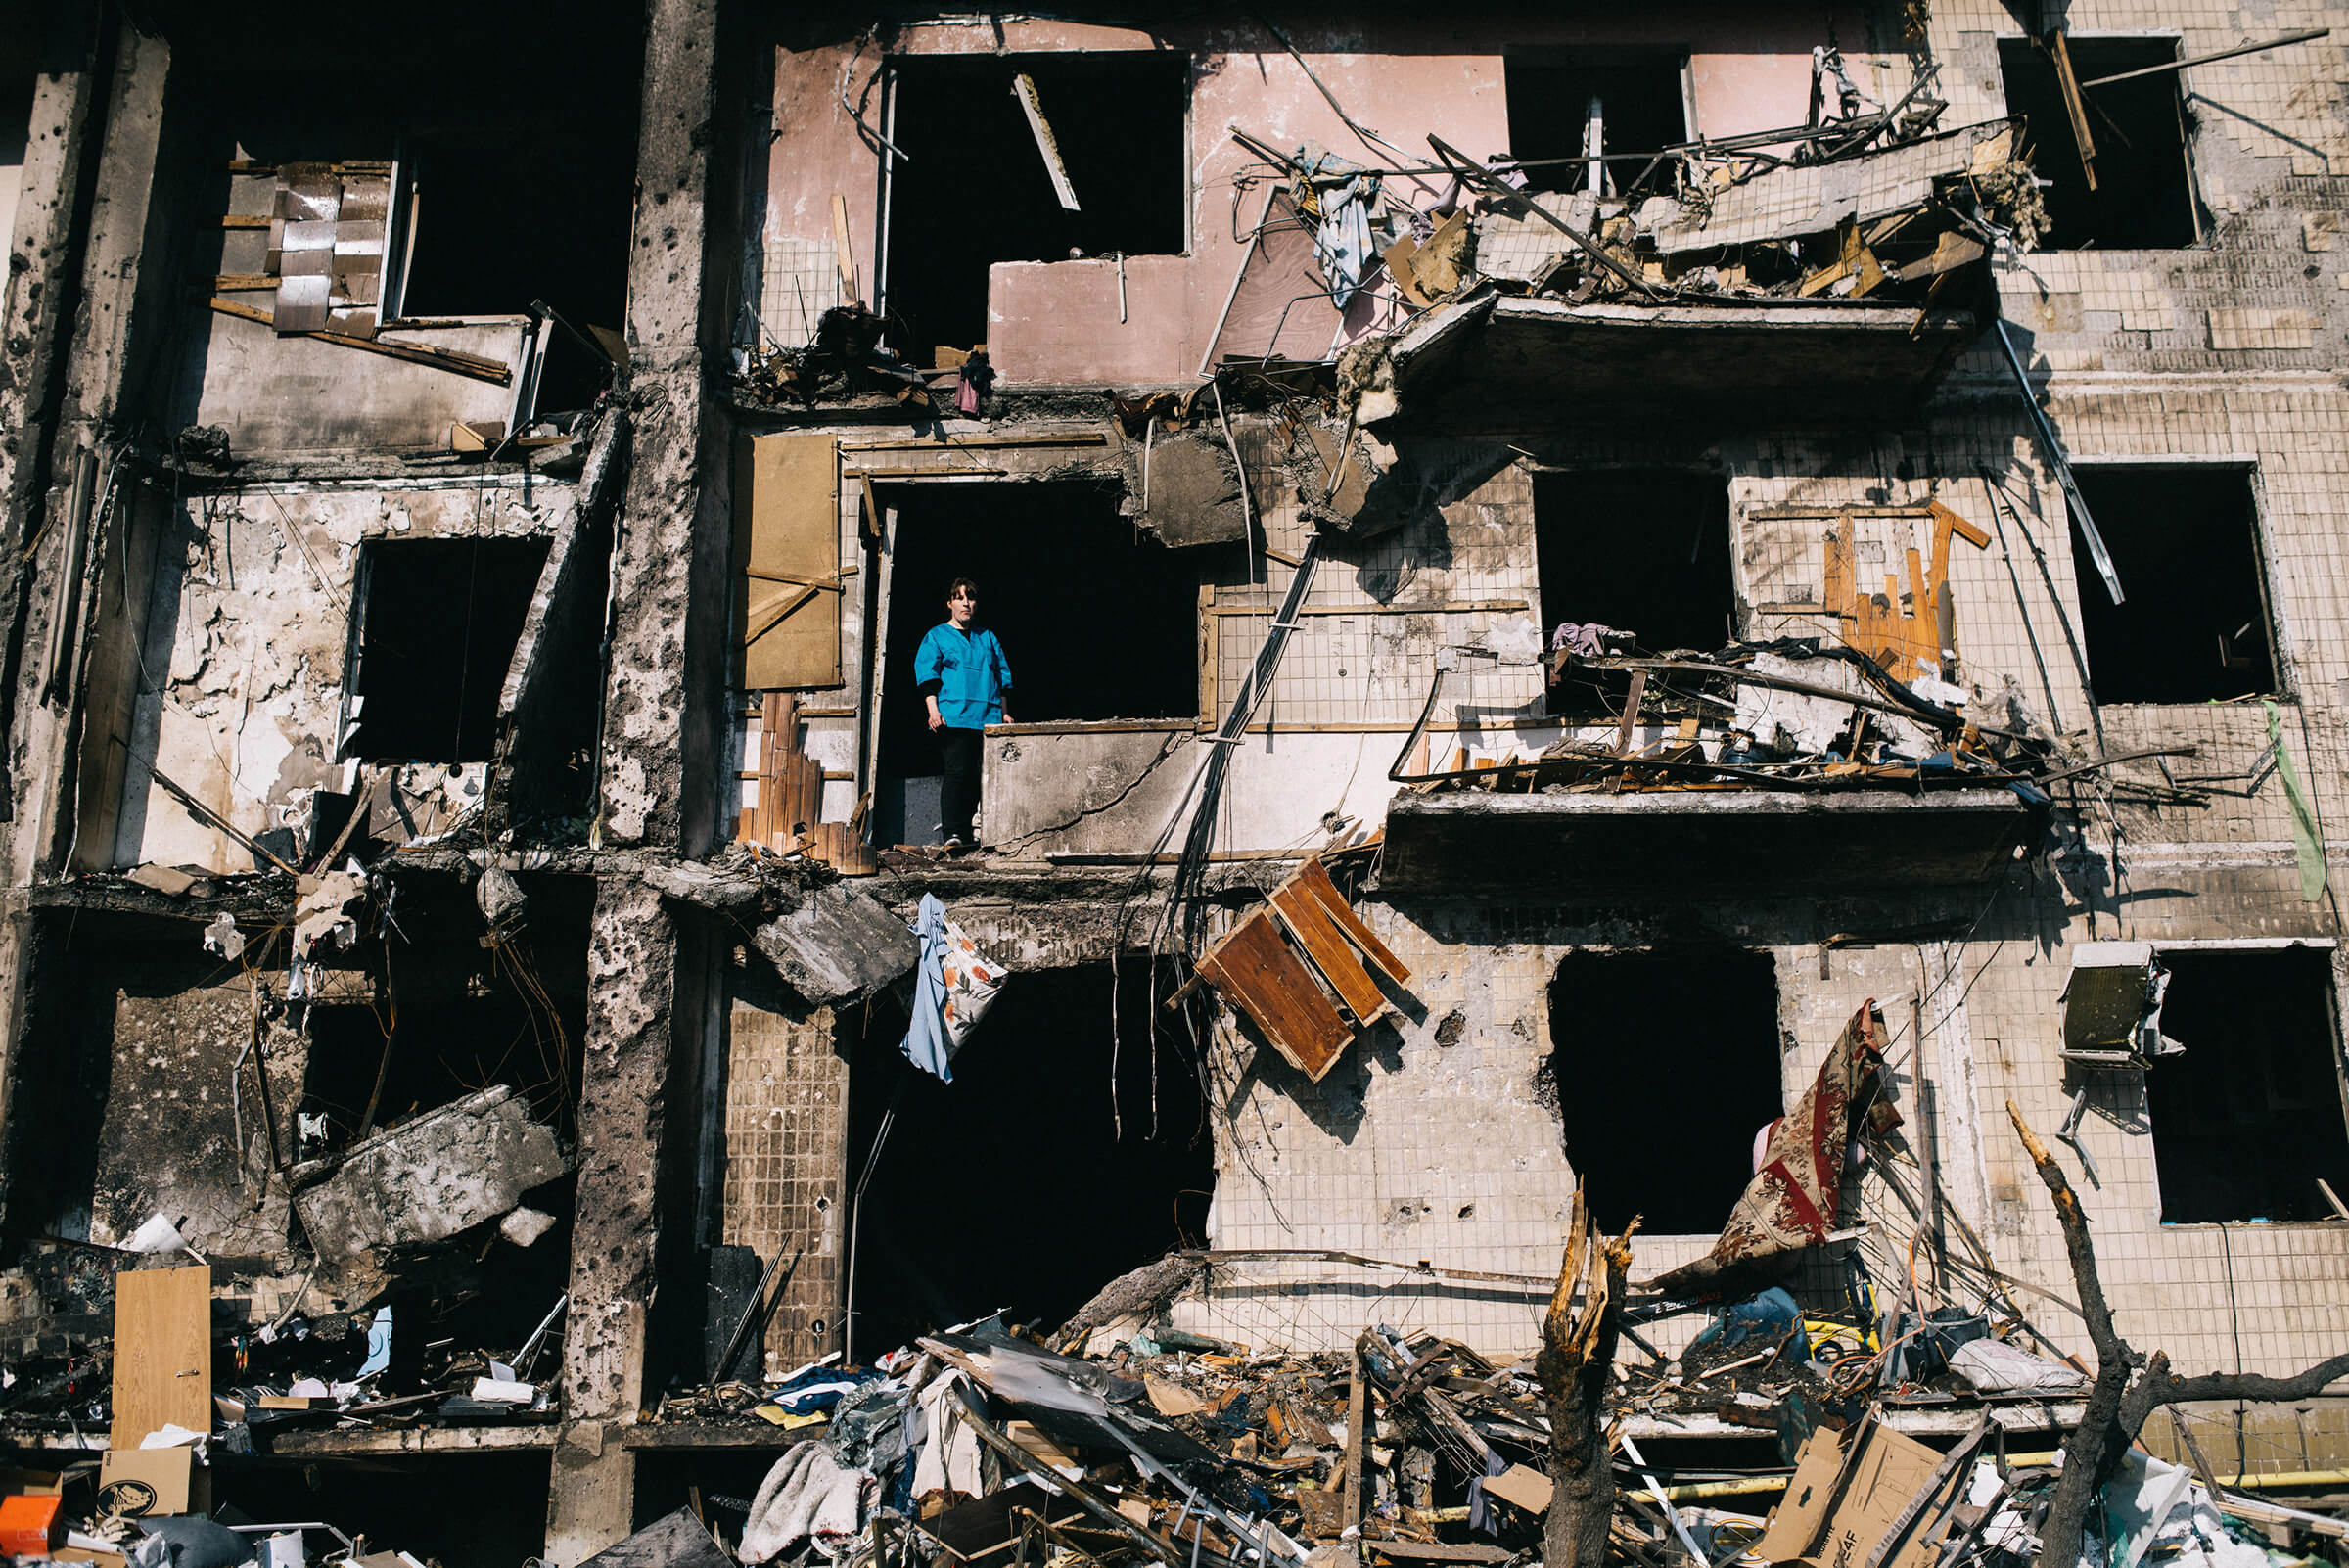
[
  {"x": 1521, "y": 1486},
  {"x": 1901, "y": 628},
  {"x": 1310, "y": 881},
  {"x": 787, "y": 817},
  {"x": 1326, "y": 949},
  {"x": 162, "y": 1352},
  {"x": 1258, "y": 972}
]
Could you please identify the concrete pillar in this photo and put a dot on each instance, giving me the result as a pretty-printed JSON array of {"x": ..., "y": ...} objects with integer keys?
[
  {"x": 632, "y": 1014},
  {"x": 84, "y": 219},
  {"x": 665, "y": 708}
]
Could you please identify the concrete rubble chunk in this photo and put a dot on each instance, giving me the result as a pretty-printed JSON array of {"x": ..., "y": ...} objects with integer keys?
[
  {"x": 841, "y": 944},
  {"x": 432, "y": 1176}
]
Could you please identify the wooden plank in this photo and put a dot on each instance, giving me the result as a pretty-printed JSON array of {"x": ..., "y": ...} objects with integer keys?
[
  {"x": 1444, "y": 607},
  {"x": 787, "y": 531},
  {"x": 1326, "y": 947},
  {"x": 1312, "y": 880},
  {"x": 162, "y": 1352},
  {"x": 416, "y": 353},
  {"x": 2075, "y": 108},
  {"x": 1631, "y": 712},
  {"x": 1256, "y": 970},
  {"x": 1438, "y": 1552},
  {"x": 842, "y": 254},
  {"x": 1358, "y": 1423},
  {"x": 975, "y": 442}
]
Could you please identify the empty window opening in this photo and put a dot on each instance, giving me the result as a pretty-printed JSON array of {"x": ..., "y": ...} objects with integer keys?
[
  {"x": 516, "y": 160},
  {"x": 1095, "y": 621},
  {"x": 2186, "y": 544},
  {"x": 1641, "y": 551},
  {"x": 484, "y": 1509},
  {"x": 976, "y": 188},
  {"x": 1013, "y": 1186},
  {"x": 1621, "y": 1023},
  {"x": 2143, "y": 195},
  {"x": 438, "y": 621},
  {"x": 454, "y": 1017},
  {"x": 2249, "y": 1116},
  {"x": 1628, "y": 101}
]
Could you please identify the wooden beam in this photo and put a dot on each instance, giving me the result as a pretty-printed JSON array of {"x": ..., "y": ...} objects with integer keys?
[
  {"x": 448, "y": 360},
  {"x": 845, "y": 258},
  {"x": 974, "y": 442},
  {"x": 2075, "y": 108},
  {"x": 1442, "y": 607}
]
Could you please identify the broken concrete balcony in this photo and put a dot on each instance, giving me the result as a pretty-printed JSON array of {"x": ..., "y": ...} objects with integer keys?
[
  {"x": 1787, "y": 841},
  {"x": 1532, "y": 360}
]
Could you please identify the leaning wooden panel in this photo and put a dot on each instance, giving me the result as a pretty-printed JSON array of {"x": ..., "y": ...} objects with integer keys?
[
  {"x": 1312, "y": 880},
  {"x": 787, "y": 586},
  {"x": 1254, "y": 969},
  {"x": 1326, "y": 950},
  {"x": 162, "y": 1352}
]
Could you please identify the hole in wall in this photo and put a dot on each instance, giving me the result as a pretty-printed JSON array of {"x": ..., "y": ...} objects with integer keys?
[
  {"x": 2184, "y": 540},
  {"x": 1550, "y": 91},
  {"x": 1659, "y": 1095},
  {"x": 1095, "y": 621},
  {"x": 1011, "y": 1187},
  {"x": 2144, "y": 194},
  {"x": 2248, "y": 1118},
  {"x": 437, "y": 623},
  {"x": 975, "y": 189},
  {"x": 1643, "y": 551}
]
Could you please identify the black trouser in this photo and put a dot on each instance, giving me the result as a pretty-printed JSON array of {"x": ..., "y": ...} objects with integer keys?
[{"x": 959, "y": 795}]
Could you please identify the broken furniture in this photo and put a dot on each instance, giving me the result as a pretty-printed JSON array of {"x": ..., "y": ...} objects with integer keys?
[{"x": 1293, "y": 964}]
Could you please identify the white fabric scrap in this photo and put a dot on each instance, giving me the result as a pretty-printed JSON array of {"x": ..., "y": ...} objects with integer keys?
[
  {"x": 1993, "y": 1366},
  {"x": 950, "y": 1453},
  {"x": 807, "y": 1494}
]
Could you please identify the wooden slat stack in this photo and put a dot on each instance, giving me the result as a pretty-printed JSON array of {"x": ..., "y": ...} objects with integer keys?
[{"x": 788, "y": 817}]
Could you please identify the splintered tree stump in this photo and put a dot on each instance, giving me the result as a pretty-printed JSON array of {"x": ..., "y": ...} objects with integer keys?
[{"x": 1578, "y": 1350}]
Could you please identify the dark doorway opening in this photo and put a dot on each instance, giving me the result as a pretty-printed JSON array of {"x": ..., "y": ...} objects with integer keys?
[
  {"x": 1013, "y": 1186},
  {"x": 437, "y": 623},
  {"x": 1641, "y": 109},
  {"x": 975, "y": 189},
  {"x": 1095, "y": 622},
  {"x": 2186, "y": 544},
  {"x": 2145, "y": 192},
  {"x": 484, "y": 1511},
  {"x": 1643, "y": 550},
  {"x": 1621, "y": 1023},
  {"x": 2248, "y": 1118}
]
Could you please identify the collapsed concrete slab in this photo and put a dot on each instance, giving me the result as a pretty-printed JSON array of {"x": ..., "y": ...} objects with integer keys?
[
  {"x": 430, "y": 1177},
  {"x": 838, "y": 944}
]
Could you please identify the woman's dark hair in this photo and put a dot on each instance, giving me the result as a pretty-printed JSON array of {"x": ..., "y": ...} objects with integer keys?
[{"x": 954, "y": 589}]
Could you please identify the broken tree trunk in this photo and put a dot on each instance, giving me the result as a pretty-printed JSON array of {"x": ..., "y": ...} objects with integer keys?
[
  {"x": 1578, "y": 1350},
  {"x": 2117, "y": 1407}
]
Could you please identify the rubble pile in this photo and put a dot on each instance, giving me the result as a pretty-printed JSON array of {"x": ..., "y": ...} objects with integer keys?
[{"x": 1791, "y": 715}]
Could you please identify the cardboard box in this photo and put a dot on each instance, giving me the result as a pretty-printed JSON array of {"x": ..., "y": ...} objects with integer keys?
[
  {"x": 1846, "y": 1491},
  {"x": 31, "y": 1524},
  {"x": 179, "y": 1486}
]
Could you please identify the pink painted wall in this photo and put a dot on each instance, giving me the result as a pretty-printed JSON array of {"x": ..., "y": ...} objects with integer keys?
[{"x": 1057, "y": 322}]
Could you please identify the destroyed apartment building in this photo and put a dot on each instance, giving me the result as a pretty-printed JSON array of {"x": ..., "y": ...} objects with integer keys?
[{"x": 1236, "y": 788}]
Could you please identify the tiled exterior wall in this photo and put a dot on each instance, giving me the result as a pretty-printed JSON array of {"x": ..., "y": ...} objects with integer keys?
[
  {"x": 2229, "y": 351},
  {"x": 787, "y": 1129}
]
